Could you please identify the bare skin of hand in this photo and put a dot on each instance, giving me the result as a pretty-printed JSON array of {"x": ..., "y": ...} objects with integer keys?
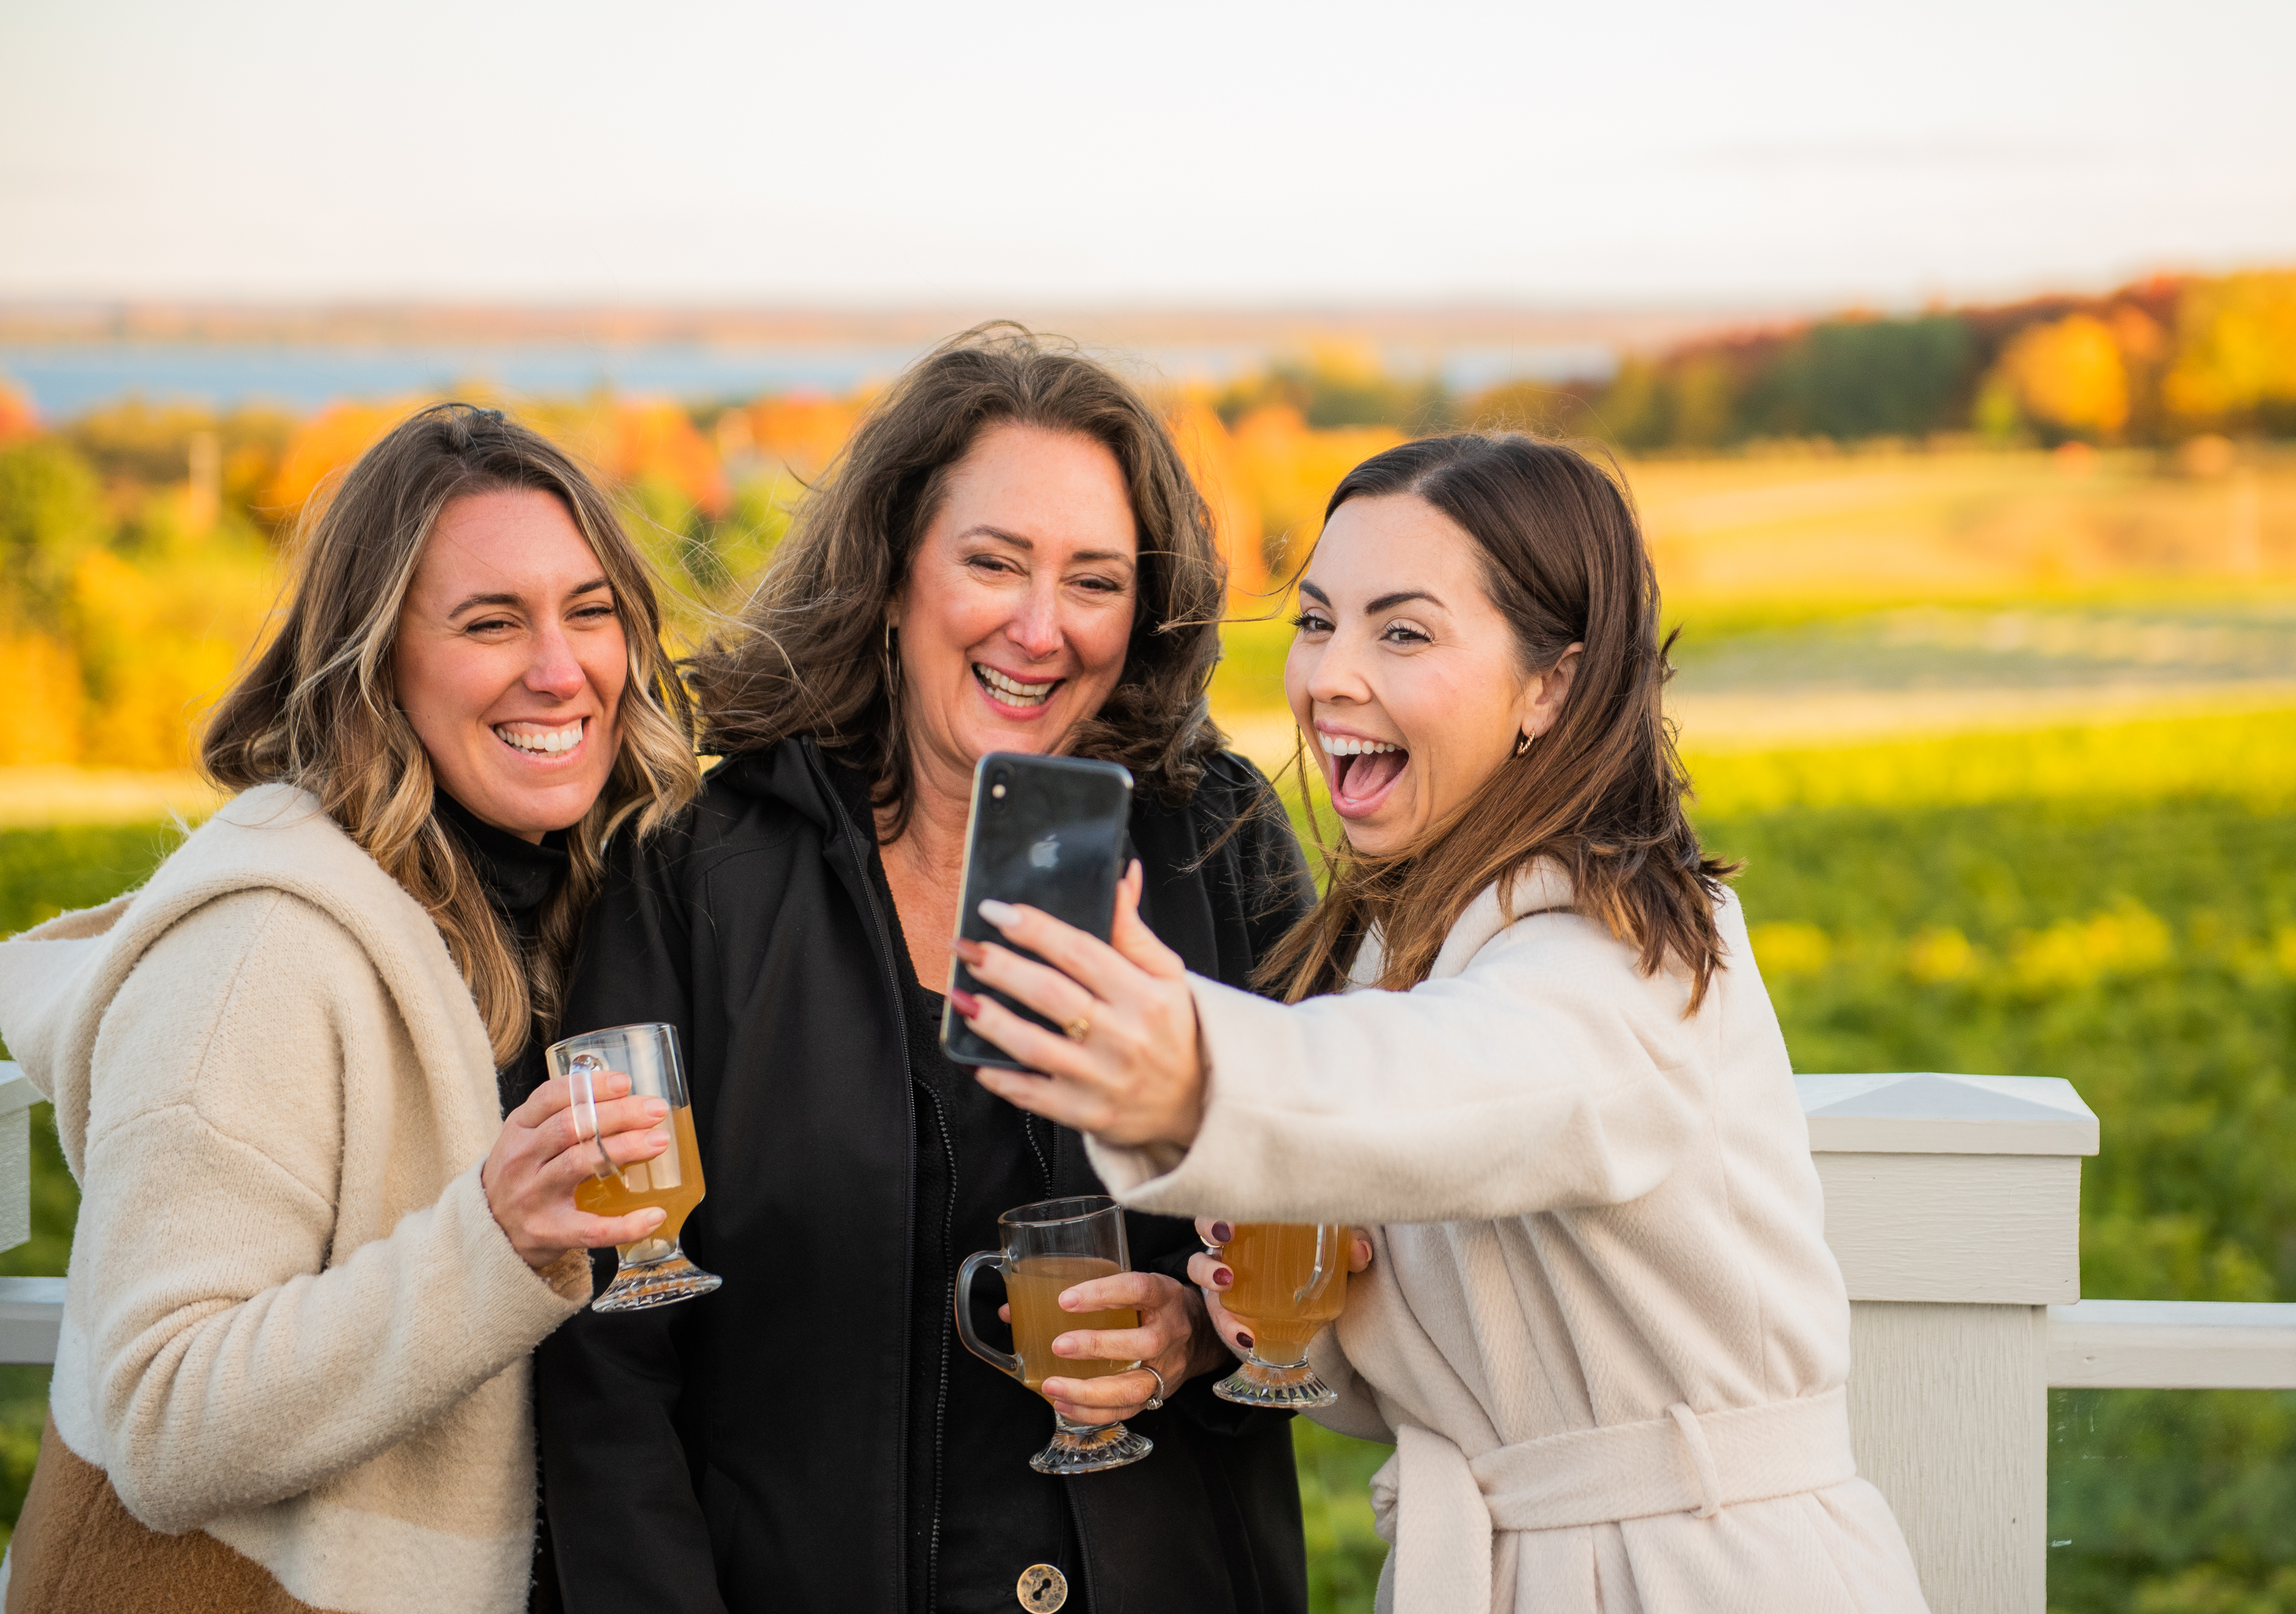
[
  {"x": 1213, "y": 1277},
  {"x": 1175, "y": 1337},
  {"x": 545, "y": 1152},
  {"x": 1137, "y": 1076}
]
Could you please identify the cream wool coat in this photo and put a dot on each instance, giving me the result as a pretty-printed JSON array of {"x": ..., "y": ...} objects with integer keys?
[
  {"x": 291, "y": 1321},
  {"x": 1602, "y": 1323}
]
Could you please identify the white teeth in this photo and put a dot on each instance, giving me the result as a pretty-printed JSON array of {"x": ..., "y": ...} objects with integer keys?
[
  {"x": 542, "y": 742},
  {"x": 1338, "y": 744},
  {"x": 1014, "y": 692}
]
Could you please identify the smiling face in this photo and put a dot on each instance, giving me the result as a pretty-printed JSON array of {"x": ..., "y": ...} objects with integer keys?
[
  {"x": 1015, "y": 618},
  {"x": 510, "y": 661},
  {"x": 1405, "y": 677}
]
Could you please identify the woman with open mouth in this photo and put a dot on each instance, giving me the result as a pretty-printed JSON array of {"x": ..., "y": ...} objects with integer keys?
[
  {"x": 1010, "y": 556},
  {"x": 1525, "y": 1030}
]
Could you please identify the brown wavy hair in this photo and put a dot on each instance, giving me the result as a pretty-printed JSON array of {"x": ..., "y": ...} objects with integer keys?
[
  {"x": 1601, "y": 792},
  {"x": 808, "y": 655},
  {"x": 316, "y": 708}
]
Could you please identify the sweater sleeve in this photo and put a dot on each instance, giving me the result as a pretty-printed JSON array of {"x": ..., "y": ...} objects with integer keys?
[
  {"x": 236, "y": 1356},
  {"x": 1548, "y": 1073}
]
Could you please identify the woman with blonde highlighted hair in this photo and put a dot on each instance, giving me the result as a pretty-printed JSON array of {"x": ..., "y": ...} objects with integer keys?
[{"x": 313, "y": 1256}]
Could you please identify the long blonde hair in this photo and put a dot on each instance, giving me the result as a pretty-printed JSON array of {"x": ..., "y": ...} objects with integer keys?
[{"x": 318, "y": 709}]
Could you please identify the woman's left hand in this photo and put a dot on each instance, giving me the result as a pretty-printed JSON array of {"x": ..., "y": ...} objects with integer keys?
[
  {"x": 1129, "y": 1070},
  {"x": 1173, "y": 1337}
]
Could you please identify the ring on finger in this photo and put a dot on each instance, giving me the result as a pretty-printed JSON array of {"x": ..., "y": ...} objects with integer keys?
[
  {"x": 1157, "y": 1399},
  {"x": 1079, "y": 1028}
]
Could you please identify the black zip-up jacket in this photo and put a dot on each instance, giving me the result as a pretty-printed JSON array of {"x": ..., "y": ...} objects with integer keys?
[{"x": 750, "y": 1450}]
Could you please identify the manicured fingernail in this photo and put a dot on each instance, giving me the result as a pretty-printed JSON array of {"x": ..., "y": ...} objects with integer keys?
[
  {"x": 999, "y": 914},
  {"x": 967, "y": 1005},
  {"x": 1222, "y": 1277},
  {"x": 655, "y": 1109},
  {"x": 1222, "y": 1233},
  {"x": 970, "y": 951},
  {"x": 1245, "y": 1340}
]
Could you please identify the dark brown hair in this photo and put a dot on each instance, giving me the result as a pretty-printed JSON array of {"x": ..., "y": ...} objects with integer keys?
[
  {"x": 317, "y": 709},
  {"x": 1600, "y": 792},
  {"x": 808, "y": 655}
]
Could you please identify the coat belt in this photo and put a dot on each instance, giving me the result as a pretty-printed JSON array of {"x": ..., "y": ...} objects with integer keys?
[{"x": 1684, "y": 1462}]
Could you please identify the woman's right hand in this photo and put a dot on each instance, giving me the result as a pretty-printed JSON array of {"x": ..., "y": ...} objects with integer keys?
[
  {"x": 1211, "y": 1274},
  {"x": 545, "y": 1152}
]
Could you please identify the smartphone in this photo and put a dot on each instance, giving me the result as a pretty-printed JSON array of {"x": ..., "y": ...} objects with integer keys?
[{"x": 1049, "y": 831}]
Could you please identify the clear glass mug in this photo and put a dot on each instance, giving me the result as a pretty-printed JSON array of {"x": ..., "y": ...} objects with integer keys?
[
  {"x": 654, "y": 1270},
  {"x": 1051, "y": 1246},
  {"x": 1291, "y": 1282}
]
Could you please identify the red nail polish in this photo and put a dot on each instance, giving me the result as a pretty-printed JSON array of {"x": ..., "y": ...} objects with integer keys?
[
  {"x": 1222, "y": 1277},
  {"x": 967, "y": 1005},
  {"x": 1222, "y": 1233},
  {"x": 1245, "y": 1340}
]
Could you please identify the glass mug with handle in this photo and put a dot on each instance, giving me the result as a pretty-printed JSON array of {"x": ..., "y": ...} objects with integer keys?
[
  {"x": 654, "y": 1270},
  {"x": 1049, "y": 1248},
  {"x": 1290, "y": 1282}
]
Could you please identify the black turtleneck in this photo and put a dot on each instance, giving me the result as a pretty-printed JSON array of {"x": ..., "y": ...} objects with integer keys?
[{"x": 519, "y": 875}]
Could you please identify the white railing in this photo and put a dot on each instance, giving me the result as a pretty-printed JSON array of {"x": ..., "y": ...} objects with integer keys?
[{"x": 1953, "y": 1204}]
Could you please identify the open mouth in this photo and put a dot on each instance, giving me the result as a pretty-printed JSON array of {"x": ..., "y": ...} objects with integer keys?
[
  {"x": 1007, "y": 691},
  {"x": 1363, "y": 771},
  {"x": 538, "y": 740}
]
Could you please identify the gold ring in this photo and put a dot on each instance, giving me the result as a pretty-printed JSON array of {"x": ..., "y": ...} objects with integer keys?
[{"x": 1079, "y": 1028}]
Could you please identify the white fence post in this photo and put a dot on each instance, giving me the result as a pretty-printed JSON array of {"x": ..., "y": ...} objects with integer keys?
[
  {"x": 1953, "y": 1204},
  {"x": 17, "y": 1097}
]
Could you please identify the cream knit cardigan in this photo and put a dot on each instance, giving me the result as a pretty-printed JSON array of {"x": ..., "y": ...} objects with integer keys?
[
  {"x": 1602, "y": 1323},
  {"x": 290, "y": 1319}
]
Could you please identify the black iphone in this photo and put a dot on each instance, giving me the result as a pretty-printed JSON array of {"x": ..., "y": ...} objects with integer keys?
[{"x": 1048, "y": 831}]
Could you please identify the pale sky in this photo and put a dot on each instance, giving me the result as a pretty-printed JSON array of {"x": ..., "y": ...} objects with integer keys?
[{"x": 1184, "y": 152}]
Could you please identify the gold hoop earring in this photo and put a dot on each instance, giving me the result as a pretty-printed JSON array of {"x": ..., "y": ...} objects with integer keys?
[{"x": 1522, "y": 743}]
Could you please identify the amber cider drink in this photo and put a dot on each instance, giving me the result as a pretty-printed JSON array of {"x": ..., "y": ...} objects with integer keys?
[
  {"x": 671, "y": 1180},
  {"x": 1276, "y": 1294},
  {"x": 1033, "y": 1286}
]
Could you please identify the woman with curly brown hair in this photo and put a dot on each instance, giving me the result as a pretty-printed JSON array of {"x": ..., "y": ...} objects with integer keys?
[{"x": 1010, "y": 556}]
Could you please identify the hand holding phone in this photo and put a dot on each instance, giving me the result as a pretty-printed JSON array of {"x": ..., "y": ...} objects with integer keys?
[{"x": 1046, "y": 831}]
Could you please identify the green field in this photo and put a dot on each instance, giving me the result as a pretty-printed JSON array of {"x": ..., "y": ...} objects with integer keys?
[{"x": 2113, "y": 904}]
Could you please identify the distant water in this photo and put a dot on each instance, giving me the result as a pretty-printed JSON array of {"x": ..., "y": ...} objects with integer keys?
[{"x": 67, "y": 379}]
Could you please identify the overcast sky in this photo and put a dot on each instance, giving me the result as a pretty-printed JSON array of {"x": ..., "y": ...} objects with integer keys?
[{"x": 1229, "y": 153}]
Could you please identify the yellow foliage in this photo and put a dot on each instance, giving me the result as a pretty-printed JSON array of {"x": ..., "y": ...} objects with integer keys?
[
  {"x": 2078, "y": 952},
  {"x": 2250, "y": 755},
  {"x": 1790, "y": 949},
  {"x": 2069, "y": 375},
  {"x": 2283, "y": 949},
  {"x": 1213, "y": 459},
  {"x": 2236, "y": 345},
  {"x": 1937, "y": 955},
  {"x": 43, "y": 709},
  {"x": 1292, "y": 470},
  {"x": 160, "y": 642}
]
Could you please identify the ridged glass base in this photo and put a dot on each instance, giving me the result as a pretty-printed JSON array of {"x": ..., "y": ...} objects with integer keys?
[
  {"x": 1084, "y": 1448},
  {"x": 1257, "y": 1383},
  {"x": 644, "y": 1283}
]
